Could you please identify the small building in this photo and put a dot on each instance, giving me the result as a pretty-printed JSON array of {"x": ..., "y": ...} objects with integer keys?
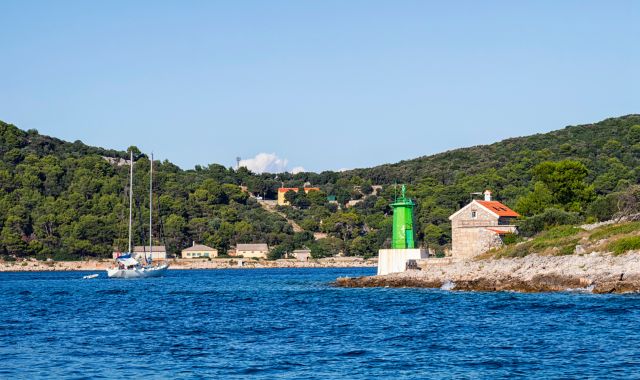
[
  {"x": 480, "y": 226},
  {"x": 157, "y": 252},
  {"x": 301, "y": 254},
  {"x": 259, "y": 250},
  {"x": 199, "y": 250},
  {"x": 283, "y": 190}
]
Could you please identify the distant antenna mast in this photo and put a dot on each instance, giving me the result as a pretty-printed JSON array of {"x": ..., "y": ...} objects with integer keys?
[{"x": 238, "y": 162}]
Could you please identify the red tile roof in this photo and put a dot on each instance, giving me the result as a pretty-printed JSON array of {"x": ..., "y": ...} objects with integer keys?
[
  {"x": 499, "y": 208},
  {"x": 499, "y": 232}
]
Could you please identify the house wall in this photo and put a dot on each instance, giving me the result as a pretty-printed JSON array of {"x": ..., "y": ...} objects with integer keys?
[
  {"x": 470, "y": 236},
  {"x": 255, "y": 254},
  {"x": 281, "y": 200},
  {"x": 302, "y": 256},
  {"x": 192, "y": 254}
]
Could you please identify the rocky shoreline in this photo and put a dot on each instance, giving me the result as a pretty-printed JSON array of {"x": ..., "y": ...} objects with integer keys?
[
  {"x": 594, "y": 273},
  {"x": 184, "y": 264}
]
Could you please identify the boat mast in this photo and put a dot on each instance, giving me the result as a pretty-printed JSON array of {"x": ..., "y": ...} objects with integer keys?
[
  {"x": 130, "y": 198},
  {"x": 150, "y": 210}
]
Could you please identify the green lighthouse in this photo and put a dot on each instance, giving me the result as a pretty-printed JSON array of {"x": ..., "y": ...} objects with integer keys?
[{"x": 402, "y": 222}]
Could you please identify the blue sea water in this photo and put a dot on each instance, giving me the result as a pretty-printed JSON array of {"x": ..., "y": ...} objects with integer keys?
[{"x": 291, "y": 323}]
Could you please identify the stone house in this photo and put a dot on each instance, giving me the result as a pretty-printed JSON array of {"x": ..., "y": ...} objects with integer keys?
[
  {"x": 259, "y": 250},
  {"x": 480, "y": 226},
  {"x": 301, "y": 254},
  {"x": 199, "y": 250}
]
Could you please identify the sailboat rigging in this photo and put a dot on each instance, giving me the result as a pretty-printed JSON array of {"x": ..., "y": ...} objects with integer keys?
[{"x": 126, "y": 265}]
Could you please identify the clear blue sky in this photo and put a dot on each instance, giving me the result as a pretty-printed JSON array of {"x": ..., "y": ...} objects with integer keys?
[{"x": 321, "y": 84}]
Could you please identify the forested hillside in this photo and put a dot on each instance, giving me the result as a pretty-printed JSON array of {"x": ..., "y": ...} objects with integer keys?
[
  {"x": 63, "y": 200},
  {"x": 566, "y": 176}
]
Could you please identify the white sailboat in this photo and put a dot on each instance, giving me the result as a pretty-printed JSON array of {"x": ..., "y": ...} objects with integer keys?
[{"x": 126, "y": 265}]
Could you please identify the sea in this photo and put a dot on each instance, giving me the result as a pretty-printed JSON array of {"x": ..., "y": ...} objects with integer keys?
[{"x": 293, "y": 324}]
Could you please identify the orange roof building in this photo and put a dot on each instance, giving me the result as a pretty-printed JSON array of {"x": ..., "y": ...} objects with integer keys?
[
  {"x": 283, "y": 190},
  {"x": 480, "y": 226}
]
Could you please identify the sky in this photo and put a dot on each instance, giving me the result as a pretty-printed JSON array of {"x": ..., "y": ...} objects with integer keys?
[{"x": 313, "y": 85}]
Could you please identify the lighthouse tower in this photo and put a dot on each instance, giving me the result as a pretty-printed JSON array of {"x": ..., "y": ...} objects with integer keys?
[
  {"x": 402, "y": 222},
  {"x": 402, "y": 242}
]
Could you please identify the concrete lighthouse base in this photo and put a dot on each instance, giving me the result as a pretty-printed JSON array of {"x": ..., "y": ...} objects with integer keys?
[{"x": 395, "y": 260}]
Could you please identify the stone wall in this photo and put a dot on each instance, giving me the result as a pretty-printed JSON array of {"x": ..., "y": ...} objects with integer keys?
[{"x": 470, "y": 236}]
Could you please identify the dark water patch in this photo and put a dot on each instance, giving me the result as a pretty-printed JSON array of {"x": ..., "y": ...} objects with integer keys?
[
  {"x": 112, "y": 291},
  {"x": 61, "y": 293},
  {"x": 25, "y": 293},
  {"x": 192, "y": 292},
  {"x": 287, "y": 365},
  {"x": 353, "y": 353},
  {"x": 241, "y": 299},
  {"x": 614, "y": 310},
  {"x": 551, "y": 306},
  {"x": 251, "y": 371}
]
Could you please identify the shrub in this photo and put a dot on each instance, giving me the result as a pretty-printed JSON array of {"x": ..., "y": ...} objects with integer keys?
[
  {"x": 509, "y": 239},
  {"x": 615, "y": 229},
  {"x": 515, "y": 250},
  {"x": 625, "y": 244},
  {"x": 560, "y": 232},
  {"x": 604, "y": 208},
  {"x": 559, "y": 240},
  {"x": 549, "y": 218}
]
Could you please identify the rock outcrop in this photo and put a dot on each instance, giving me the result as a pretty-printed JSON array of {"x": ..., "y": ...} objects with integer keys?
[{"x": 595, "y": 272}]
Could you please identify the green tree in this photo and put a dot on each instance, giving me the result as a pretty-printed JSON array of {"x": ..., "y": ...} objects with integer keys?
[
  {"x": 566, "y": 181},
  {"x": 433, "y": 235},
  {"x": 535, "y": 201},
  {"x": 290, "y": 196}
]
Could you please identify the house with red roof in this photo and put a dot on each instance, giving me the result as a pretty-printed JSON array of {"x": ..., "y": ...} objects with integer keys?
[
  {"x": 283, "y": 190},
  {"x": 480, "y": 226}
]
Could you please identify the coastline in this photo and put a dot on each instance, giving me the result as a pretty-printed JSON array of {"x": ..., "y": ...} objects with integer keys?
[
  {"x": 30, "y": 265},
  {"x": 593, "y": 273}
]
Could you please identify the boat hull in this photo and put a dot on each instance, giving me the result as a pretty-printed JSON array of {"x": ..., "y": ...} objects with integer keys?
[{"x": 143, "y": 272}]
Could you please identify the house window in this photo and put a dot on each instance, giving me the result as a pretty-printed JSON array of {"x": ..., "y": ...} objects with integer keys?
[{"x": 474, "y": 214}]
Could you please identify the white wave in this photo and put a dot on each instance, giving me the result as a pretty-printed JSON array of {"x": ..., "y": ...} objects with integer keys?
[{"x": 448, "y": 285}]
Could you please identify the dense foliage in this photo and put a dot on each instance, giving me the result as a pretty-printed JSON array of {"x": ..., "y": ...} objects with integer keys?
[
  {"x": 65, "y": 199},
  {"x": 566, "y": 176}
]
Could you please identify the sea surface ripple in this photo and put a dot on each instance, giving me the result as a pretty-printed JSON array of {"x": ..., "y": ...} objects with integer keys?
[{"x": 291, "y": 323}]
